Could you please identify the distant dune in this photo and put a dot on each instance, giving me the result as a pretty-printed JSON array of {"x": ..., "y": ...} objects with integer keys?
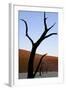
[{"x": 49, "y": 63}]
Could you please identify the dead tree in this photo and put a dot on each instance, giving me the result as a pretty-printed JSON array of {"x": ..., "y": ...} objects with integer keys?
[{"x": 35, "y": 46}]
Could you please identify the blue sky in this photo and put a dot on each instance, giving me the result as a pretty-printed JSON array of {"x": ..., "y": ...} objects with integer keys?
[{"x": 35, "y": 29}]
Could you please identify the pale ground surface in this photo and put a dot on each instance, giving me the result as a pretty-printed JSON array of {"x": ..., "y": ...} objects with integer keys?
[{"x": 43, "y": 75}]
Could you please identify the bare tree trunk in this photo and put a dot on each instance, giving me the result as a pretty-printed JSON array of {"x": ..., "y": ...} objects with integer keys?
[{"x": 30, "y": 63}]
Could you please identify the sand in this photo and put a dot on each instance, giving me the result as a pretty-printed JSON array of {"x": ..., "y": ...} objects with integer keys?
[{"x": 44, "y": 75}]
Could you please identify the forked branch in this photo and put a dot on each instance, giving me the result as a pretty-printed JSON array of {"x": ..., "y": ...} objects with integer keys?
[
  {"x": 44, "y": 34},
  {"x": 27, "y": 31},
  {"x": 45, "y": 24}
]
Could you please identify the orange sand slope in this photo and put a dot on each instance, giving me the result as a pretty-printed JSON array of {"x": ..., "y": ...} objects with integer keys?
[{"x": 49, "y": 63}]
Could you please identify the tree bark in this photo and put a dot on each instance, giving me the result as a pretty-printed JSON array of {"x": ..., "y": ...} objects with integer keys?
[{"x": 31, "y": 61}]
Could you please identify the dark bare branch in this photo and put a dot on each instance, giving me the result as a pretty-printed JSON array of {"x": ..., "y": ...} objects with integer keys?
[
  {"x": 45, "y": 25},
  {"x": 50, "y": 35},
  {"x": 27, "y": 31},
  {"x": 39, "y": 64},
  {"x": 44, "y": 33},
  {"x": 51, "y": 26},
  {"x": 43, "y": 36}
]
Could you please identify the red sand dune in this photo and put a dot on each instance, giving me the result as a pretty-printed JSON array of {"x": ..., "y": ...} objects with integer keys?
[{"x": 49, "y": 63}]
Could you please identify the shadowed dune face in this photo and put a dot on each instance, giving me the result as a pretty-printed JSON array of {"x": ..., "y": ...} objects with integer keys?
[{"x": 49, "y": 63}]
